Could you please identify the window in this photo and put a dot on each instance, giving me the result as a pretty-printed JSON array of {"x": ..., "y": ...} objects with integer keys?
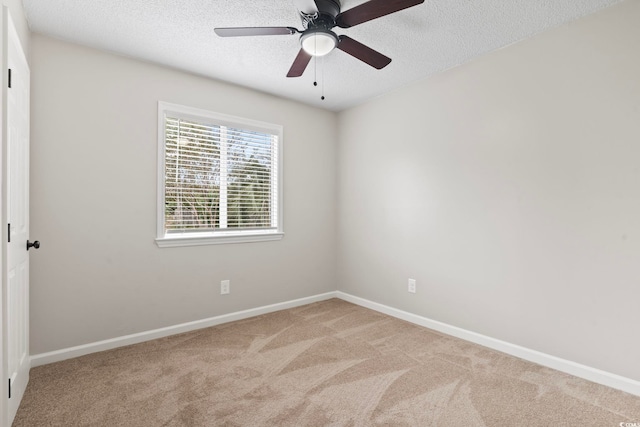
[{"x": 219, "y": 178}]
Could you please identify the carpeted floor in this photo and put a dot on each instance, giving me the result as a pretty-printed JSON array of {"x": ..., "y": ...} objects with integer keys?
[{"x": 330, "y": 363}]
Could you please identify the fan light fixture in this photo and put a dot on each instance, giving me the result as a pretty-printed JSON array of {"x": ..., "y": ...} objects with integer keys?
[
  {"x": 319, "y": 42},
  {"x": 319, "y": 17}
]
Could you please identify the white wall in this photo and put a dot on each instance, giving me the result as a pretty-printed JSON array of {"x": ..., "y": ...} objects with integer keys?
[
  {"x": 99, "y": 273},
  {"x": 510, "y": 189}
]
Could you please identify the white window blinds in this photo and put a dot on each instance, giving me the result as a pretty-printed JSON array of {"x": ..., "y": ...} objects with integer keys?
[{"x": 218, "y": 178}]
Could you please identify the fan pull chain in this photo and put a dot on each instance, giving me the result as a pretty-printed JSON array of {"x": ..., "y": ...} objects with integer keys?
[
  {"x": 315, "y": 62},
  {"x": 315, "y": 71},
  {"x": 322, "y": 78},
  {"x": 315, "y": 74}
]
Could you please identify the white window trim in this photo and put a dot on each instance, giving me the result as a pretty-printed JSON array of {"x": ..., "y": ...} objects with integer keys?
[{"x": 219, "y": 237}]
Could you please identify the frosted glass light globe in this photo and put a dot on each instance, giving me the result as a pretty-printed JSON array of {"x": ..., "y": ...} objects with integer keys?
[{"x": 319, "y": 42}]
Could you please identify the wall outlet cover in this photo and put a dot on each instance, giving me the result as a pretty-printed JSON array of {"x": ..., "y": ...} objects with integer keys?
[{"x": 225, "y": 287}]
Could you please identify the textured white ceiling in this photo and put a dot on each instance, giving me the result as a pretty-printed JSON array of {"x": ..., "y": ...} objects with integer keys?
[{"x": 422, "y": 40}]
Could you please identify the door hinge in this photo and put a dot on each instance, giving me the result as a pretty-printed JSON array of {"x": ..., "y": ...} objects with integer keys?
[
  {"x": 9, "y": 78},
  {"x": 9, "y": 388},
  {"x": 9, "y": 232}
]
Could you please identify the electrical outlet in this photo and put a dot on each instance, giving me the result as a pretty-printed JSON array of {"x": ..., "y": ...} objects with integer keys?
[
  {"x": 225, "y": 287},
  {"x": 412, "y": 286}
]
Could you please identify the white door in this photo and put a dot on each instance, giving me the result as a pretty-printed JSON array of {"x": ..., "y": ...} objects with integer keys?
[{"x": 16, "y": 212}]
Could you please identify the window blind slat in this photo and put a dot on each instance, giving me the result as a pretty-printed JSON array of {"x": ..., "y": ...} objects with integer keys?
[{"x": 202, "y": 158}]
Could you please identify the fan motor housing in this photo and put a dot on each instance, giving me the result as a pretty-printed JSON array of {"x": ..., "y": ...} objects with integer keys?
[
  {"x": 328, "y": 10},
  {"x": 329, "y": 7}
]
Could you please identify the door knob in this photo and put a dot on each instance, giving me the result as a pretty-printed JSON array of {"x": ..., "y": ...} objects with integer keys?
[{"x": 35, "y": 244}]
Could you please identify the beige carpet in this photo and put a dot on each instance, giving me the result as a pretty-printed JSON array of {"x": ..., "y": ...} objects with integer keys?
[{"x": 325, "y": 364}]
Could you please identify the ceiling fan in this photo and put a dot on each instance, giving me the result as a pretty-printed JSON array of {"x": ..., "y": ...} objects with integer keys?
[{"x": 319, "y": 17}]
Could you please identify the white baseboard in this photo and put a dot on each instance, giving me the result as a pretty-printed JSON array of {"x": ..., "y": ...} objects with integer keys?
[
  {"x": 598, "y": 376},
  {"x": 81, "y": 350},
  {"x": 595, "y": 375}
]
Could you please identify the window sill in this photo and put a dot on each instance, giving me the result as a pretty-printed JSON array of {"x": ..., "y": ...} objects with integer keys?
[{"x": 218, "y": 239}]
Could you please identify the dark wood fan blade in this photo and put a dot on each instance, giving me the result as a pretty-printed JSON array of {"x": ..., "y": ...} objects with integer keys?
[
  {"x": 299, "y": 64},
  {"x": 363, "y": 53},
  {"x": 371, "y": 10},
  {"x": 254, "y": 31}
]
